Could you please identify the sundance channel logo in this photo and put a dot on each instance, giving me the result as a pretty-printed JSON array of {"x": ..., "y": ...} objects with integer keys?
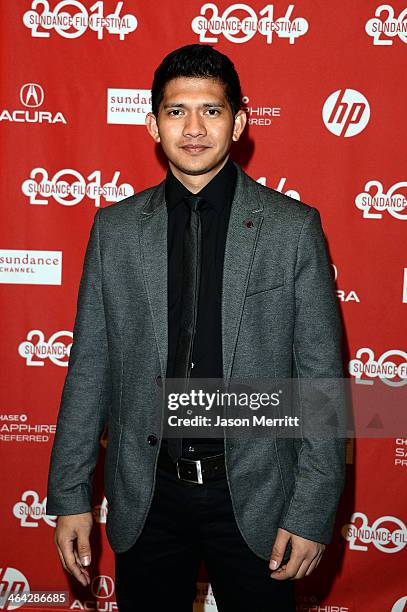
[
  {"x": 128, "y": 106},
  {"x": 20, "y": 267}
]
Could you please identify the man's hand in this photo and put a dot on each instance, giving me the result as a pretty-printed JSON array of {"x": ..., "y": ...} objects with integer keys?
[
  {"x": 73, "y": 558},
  {"x": 305, "y": 556}
]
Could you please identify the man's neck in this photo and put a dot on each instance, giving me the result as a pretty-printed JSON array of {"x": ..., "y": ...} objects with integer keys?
[{"x": 194, "y": 183}]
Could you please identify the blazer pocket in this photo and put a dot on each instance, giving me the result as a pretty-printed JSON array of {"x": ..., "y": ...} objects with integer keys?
[{"x": 261, "y": 284}]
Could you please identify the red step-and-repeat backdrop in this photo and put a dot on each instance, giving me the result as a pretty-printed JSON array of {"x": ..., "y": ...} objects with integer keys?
[{"x": 325, "y": 90}]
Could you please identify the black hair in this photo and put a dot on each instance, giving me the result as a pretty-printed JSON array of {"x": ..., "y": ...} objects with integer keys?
[{"x": 201, "y": 61}]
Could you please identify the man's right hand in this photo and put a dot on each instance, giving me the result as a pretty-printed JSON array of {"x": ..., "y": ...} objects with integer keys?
[{"x": 74, "y": 555}]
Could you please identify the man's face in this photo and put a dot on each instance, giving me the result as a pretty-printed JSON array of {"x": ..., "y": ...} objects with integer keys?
[{"x": 195, "y": 125}]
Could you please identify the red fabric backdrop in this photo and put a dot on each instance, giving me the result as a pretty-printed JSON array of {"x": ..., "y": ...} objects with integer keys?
[{"x": 324, "y": 87}]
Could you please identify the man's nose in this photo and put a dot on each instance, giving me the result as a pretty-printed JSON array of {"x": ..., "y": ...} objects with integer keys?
[{"x": 194, "y": 125}]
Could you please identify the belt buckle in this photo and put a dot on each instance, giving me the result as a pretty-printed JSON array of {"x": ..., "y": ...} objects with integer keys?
[{"x": 197, "y": 464}]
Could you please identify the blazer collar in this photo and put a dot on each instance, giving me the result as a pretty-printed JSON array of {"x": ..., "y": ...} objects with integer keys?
[
  {"x": 243, "y": 230},
  {"x": 244, "y": 186}
]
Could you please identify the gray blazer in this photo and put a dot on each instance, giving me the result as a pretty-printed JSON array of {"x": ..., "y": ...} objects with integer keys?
[{"x": 280, "y": 318}]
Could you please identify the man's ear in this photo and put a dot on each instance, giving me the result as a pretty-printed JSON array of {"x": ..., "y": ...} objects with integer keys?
[
  {"x": 152, "y": 127},
  {"x": 239, "y": 125}
]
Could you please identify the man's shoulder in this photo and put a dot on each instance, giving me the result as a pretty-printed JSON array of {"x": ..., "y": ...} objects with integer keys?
[{"x": 278, "y": 204}]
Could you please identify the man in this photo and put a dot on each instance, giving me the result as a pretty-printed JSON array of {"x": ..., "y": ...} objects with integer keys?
[{"x": 207, "y": 275}]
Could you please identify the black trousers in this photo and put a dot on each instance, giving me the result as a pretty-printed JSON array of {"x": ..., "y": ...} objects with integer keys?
[{"x": 188, "y": 523}]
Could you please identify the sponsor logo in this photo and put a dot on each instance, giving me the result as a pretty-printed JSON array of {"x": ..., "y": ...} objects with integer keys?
[
  {"x": 68, "y": 187},
  {"x": 374, "y": 201},
  {"x": 71, "y": 19},
  {"x": 13, "y": 583},
  {"x": 29, "y": 510},
  {"x": 312, "y": 603},
  {"x": 343, "y": 294},
  {"x": 102, "y": 589},
  {"x": 400, "y": 452},
  {"x": 390, "y": 367},
  {"x": 128, "y": 106},
  {"x": 30, "y": 267},
  {"x": 239, "y": 23},
  {"x": 400, "y": 605},
  {"x": 346, "y": 112},
  {"x": 388, "y": 533},
  {"x": 260, "y": 115},
  {"x": 385, "y": 31},
  {"x": 31, "y": 96},
  {"x": 15, "y": 428},
  {"x": 56, "y": 348}
]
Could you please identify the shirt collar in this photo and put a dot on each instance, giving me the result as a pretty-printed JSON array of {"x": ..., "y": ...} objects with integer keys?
[{"x": 218, "y": 192}]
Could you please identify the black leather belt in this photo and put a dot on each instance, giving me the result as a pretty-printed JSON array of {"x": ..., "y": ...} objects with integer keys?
[{"x": 194, "y": 470}]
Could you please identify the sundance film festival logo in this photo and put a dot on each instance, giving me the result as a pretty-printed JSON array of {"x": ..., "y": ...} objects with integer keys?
[
  {"x": 387, "y": 533},
  {"x": 205, "y": 599},
  {"x": 390, "y": 368},
  {"x": 239, "y": 23},
  {"x": 292, "y": 193},
  {"x": 385, "y": 31},
  {"x": 346, "y": 112},
  {"x": 13, "y": 584},
  {"x": 30, "y": 511},
  {"x": 30, "y": 267},
  {"x": 32, "y": 97},
  {"x": 36, "y": 349},
  {"x": 128, "y": 106},
  {"x": 71, "y": 19},
  {"x": 374, "y": 201},
  {"x": 68, "y": 187},
  {"x": 100, "y": 511}
]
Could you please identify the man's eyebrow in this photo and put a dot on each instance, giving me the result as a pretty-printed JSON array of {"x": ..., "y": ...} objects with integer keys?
[{"x": 204, "y": 105}]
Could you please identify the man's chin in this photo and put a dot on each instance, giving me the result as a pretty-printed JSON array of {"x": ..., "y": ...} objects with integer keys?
[{"x": 201, "y": 168}]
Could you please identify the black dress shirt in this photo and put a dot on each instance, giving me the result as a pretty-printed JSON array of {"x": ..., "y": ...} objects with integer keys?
[{"x": 207, "y": 349}]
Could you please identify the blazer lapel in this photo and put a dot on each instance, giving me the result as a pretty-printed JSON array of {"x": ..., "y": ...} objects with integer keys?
[
  {"x": 154, "y": 223},
  {"x": 243, "y": 230}
]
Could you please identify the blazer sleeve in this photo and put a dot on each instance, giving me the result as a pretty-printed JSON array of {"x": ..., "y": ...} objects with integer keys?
[
  {"x": 317, "y": 354},
  {"x": 85, "y": 397}
]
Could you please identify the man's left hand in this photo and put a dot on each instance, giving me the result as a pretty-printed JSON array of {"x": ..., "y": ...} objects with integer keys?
[{"x": 305, "y": 556}]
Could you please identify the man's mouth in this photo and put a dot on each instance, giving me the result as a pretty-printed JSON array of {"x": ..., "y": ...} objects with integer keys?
[{"x": 194, "y": 149}]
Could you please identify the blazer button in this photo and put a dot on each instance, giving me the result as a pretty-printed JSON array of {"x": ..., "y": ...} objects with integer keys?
[
  {"x": 159, "y": 381},
  {"x": 152, "y": 440}
]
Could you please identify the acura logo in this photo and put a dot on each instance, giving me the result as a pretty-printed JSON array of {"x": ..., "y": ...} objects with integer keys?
[
  {"x": 102, "y": 587},
  {"x": 32, "y": 95}
]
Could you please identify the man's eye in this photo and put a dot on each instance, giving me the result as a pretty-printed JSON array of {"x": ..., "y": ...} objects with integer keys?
[
  {"x": 176, "y": 112},
  {"x": 213, "y": 112}
]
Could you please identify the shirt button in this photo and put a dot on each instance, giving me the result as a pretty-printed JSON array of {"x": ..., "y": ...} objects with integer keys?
[{"x": 152, "y": 440}]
